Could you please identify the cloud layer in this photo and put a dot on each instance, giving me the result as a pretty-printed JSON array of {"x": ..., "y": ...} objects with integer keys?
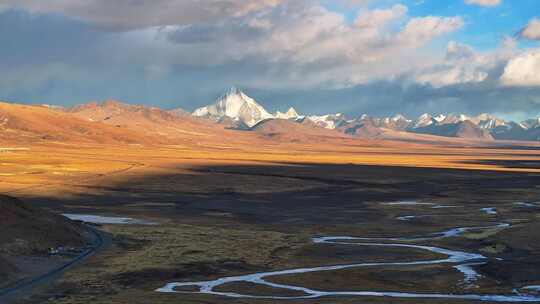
[
  {"x": 523, "y": 70},
  {"x": 129, "y": 14},
  {"x": 184, "y": 52},
  {"x": 487, "y": 3},
  {"x": 532, "y": 30}
]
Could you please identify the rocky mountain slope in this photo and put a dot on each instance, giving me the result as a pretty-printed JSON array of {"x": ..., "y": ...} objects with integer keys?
[
  {"x": 290, "y": 130},
  {"x": 462, "y": 129}
]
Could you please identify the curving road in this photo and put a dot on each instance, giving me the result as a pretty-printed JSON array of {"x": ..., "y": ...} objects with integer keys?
[{"x": 100, "y": 241}]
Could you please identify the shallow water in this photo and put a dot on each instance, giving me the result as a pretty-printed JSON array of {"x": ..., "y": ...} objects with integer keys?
[
  {"x": 407, "y": 217},
  {"x": 98, "y": 219},
  {"x": 406, "y": 203},
  {"x": 444, "y": 206},
  {"x": 490, "y": 210},
  {"x": 524, "y": 204},
  {"x": 462, "y": 261}
]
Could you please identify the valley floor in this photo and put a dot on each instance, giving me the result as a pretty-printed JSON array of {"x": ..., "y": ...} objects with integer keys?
[{"x": 224, "y": 211}]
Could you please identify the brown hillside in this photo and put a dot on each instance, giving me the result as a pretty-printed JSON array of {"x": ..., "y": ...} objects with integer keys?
[
  {"x": 467, "y": 129},
  {"x": 27, "y": 230},
  {"x": 293, "y": 131},
  {"x": 27, "y": 123},
  {"x": 363, "y": 129},
  {"x": 161, "y": 125}
]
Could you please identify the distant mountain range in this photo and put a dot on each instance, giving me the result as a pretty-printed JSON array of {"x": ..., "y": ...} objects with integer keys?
[
  {"x": 116, "y": 122},
  {"x": 239, "y": 111}
]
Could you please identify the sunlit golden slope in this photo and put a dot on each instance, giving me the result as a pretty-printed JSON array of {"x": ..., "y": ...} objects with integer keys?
[
  {"x": 146, "y": 120},
  {"x": 26, "y": 123}
]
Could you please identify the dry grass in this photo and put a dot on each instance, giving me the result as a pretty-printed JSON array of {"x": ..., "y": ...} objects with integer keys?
[{"x": 54, "y": 169}]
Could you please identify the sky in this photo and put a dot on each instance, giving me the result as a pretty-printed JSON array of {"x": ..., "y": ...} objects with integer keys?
[{"x": 379, "y": 57}]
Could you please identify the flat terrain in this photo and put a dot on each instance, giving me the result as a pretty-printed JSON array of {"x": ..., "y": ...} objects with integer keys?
[{"x": 224, "y": 209}]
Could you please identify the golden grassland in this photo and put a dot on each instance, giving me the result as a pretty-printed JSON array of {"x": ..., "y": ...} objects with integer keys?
[{"x": 59, "y": 166}]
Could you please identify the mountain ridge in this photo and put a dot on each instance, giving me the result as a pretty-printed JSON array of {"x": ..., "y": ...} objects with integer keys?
[
  {"x": 483, "y": 126},
  {"x": 113, "y": 121}
]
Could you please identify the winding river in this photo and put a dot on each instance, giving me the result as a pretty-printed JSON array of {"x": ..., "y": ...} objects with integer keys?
[{"x": 462, "y": 261}]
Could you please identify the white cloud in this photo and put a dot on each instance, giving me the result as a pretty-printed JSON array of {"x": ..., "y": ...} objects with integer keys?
[
  {"x": 306, "y": 45},
  {"x": 486, "y": 3},
  {"x": 380, "y": 17},
  {"x": 283, "y": 43},
  {"x": 522, "y": 70},
  {"x": 452, "y": 76},
  {"x": 462, "y": 64},
  {"x": 177, "y": 49},
  {"x": 423, "y": 29},
  {"x": 532, "y": 30},
  {"x": 129, "y": 14}
]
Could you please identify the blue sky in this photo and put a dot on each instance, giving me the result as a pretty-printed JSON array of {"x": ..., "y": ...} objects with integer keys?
[{"x": 353, "y": 56}]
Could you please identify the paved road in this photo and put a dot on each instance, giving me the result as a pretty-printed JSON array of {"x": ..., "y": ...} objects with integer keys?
[{"x": 6, "y": 294}]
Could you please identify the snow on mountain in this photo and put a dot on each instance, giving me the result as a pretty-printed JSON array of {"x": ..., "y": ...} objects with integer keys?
[
  {"x": 236, "y": 105},
  {"x": 399, "y": 117},
  {"x": 290, "y": 114},
  {"x": 440, "y": 117},
  {"x": 330, "y": 121},
  {"x": 239, "y": 110},
  {"x": 486, "y": 121},
  {"x": 463, "y": 117},
  {"x": 531, "y": 123},
  {"x": 452, "y": 119},
  {"x": 461, "y": 129},
  {"x": 396, "y": 122},
  {"x": 425, "y": 120}
]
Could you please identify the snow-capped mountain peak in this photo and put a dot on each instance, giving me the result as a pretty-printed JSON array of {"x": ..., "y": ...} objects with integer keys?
[
  {"x": 236, "y": 105},
  {"x": 290, "y": 114},
  {"x": 487, "y": 121},
  {"x": 399, "y": 117},
  {"x": 531, "y": 123},
  {"x": 329, "y": 121},
  {"x": 424, "y": 120},
  {"x": 440, "y": 117}
]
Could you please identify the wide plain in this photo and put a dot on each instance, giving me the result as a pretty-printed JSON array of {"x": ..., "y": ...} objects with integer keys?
[{"x": 226, "y": 210}]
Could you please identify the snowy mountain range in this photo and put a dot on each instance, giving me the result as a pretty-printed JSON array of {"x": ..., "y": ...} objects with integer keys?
[{"x": 243, "y": 112}]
